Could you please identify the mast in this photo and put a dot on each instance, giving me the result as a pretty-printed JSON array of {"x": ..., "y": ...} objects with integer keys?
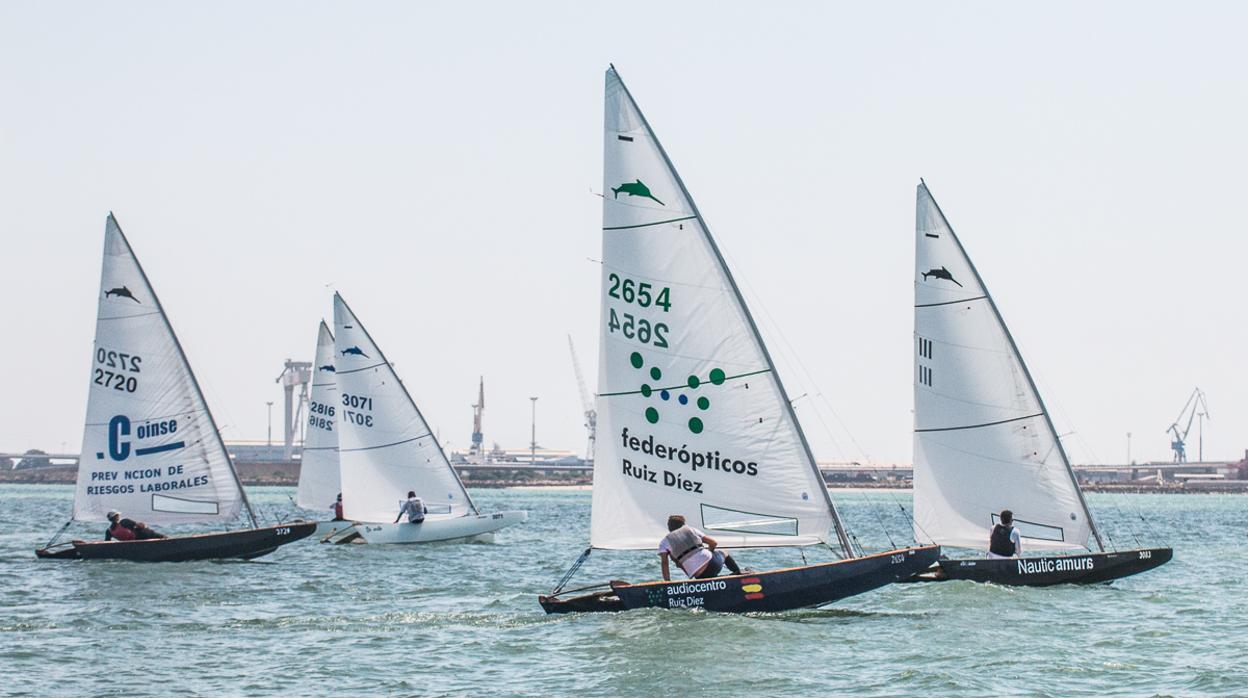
[
  {"x": 1044, "y": 410},
  {"x": 382, "y": 355},
  {"x": 194, "y": 381},
  {"x": 841, "y": 534}
]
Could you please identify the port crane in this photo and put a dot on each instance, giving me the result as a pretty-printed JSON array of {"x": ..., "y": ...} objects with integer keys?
[
  {"x": 1193, "y": 408},
  {"x": 587, "y": 403},
  {"x": 295, "y": 374},
  {"x": 478, "y": 439}
]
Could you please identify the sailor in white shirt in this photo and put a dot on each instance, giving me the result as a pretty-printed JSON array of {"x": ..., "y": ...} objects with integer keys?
[
  {"x": 693, "y": 550},
  {"x": 414, "y": 507}
]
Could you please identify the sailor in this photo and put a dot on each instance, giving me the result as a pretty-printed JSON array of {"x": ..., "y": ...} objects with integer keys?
[
  {"x": 116, "y": 531},
  {"x": 1004, "y": 541},
  {"x": 693, "y": 550},
  {"x": 337, "y": 507},
  {"x": 414, "y": 507},
  {"x": 141, "y": 530}
]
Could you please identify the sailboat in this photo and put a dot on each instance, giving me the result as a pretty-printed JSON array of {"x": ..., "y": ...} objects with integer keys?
[
  {"x": 151, "y": 449},
  {"x": 983, "y": 439},
  {"x": 386, "y": 449},
  {"x": 692, "y": 418},
  {"x": 320, "y": 482}
]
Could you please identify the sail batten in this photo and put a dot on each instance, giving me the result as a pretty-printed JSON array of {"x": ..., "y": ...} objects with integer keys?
[
  {"x": 693, "y": 419},
  {"x": 385, "y": 446},
  {"x": 151, "y": 448},
  {"x": 983, "y": 440}
]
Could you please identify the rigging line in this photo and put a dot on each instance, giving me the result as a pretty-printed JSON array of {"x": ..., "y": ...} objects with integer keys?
[
  {"x": 683, "y": 386},
  {"x": 59, "y": 533},
  {"x": 964, "y": 300},
  {"x": 395, "y": 443},
  {"x": 357, "y": 370},
  {"x": 1115, "y": 498},
  {"x": 978, "y": 426},
  {"x": 567, "y": 577},
  {"x": 647, "y": 225}
]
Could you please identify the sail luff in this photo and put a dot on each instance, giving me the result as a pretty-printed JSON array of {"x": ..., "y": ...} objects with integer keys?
[
  {"x": 472, "y": 507},
  {"x": 1035, "y": 392},
  {"x": 194, "y": 381},
  {"x": 841, "y": 533}
]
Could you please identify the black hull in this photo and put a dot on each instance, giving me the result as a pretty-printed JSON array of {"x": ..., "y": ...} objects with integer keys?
[
  {"x": 245, "y": 545},
  {"x": 778, "y": 590},
  {"x": 1089, "y": 568}
]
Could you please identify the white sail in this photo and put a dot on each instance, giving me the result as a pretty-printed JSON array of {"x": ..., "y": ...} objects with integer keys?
[
  {"x": 692, "y": 418},
  {"x": 319, "y": 482},
  {"x": 150, "y": 448},
  {"x": 982, "y": 440},
  {"x": 385, "y": 447}
]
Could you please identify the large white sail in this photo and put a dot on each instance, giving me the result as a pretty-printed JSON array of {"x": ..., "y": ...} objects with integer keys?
[
  {"x": 692, "y": 418},
  {"x": 982, "y": 440},
  {"x": 319, "y": 483},
  {"x": 385, "y": 447},
  {"x": 150, "y": 448}
]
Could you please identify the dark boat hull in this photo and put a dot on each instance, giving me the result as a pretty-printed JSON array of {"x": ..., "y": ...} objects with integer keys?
[
  {"x": 1089, "y": 568},
  {"x": 778, "y": 590},
  {"x": 244, "y": 544}
]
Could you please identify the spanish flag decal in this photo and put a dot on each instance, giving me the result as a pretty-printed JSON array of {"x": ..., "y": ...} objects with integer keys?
[{"x": 753, "y": 588}]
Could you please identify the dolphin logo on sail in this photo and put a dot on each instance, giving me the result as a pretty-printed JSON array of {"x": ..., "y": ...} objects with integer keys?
[
  {"x": 636, "y": 188},
  {"x": 941, "y": 273},
  {"x": 354, "y": 351},
  {"x": 328, "y": 367},
  {"x": 121, "y": 292}
]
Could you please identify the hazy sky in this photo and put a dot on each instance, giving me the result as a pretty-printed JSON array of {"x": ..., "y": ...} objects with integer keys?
[{"x": 434, "y": 163}]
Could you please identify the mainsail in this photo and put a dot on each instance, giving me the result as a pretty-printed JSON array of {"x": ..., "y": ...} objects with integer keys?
[
  {"x": 983, "y": 441},
  {"x": 691, "y": 415},
  {"x": 385, "y": 447},
  {"x": 150, "y": 448},
  {"x": 319, "y": 482}
]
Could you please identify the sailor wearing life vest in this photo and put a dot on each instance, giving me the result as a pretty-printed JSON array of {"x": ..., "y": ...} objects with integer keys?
[
  {"x": 1004, "y": 540},
  {"x": 116, "y": 531},
  {"x": 414, "y": 508},
  {"x": 693, "y": 550}
]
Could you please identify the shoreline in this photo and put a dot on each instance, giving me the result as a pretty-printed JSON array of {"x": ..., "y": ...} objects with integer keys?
[{"x": 68, "y": 476}]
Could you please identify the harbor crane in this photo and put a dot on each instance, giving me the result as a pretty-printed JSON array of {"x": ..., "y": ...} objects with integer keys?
[
  {"x": 587, "y": 403},
  {"x": 295, "y": 373},
  {"x": 478, "y": 438},
  {"x": 1193, "y": 408}
]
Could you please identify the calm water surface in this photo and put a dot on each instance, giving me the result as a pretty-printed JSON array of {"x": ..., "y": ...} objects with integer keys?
[{"x": 315, "y": 620}]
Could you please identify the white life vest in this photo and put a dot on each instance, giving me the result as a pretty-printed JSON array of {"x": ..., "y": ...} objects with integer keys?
[{"x": 683, "y": 542}]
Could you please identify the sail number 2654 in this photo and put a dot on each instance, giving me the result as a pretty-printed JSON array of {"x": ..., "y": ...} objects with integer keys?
[
  {"x": 641, "y": 293},
  {"x": 638, "y": 328}
]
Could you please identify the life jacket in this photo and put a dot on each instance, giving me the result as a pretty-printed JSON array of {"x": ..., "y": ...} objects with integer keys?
[
  {"x": 119, "y": 532},
  {"x": 338, "y": 511},
  {"x": 683, "y": 542},
  {"x": 415, "y": 510},
  {"x": 1000, "y": 542}
]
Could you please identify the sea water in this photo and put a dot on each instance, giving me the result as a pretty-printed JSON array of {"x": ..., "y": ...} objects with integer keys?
[{"x": 463, "y": 619}]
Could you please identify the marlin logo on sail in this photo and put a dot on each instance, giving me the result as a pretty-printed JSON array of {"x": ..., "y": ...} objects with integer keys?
[
  {"x": 941, "y": 273},
  {"x": 636, "y": 188},
  {"x": 328, "y": 367},
  {"x": 121, "y": 292},
  {"x": 354, "y": 351}
]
